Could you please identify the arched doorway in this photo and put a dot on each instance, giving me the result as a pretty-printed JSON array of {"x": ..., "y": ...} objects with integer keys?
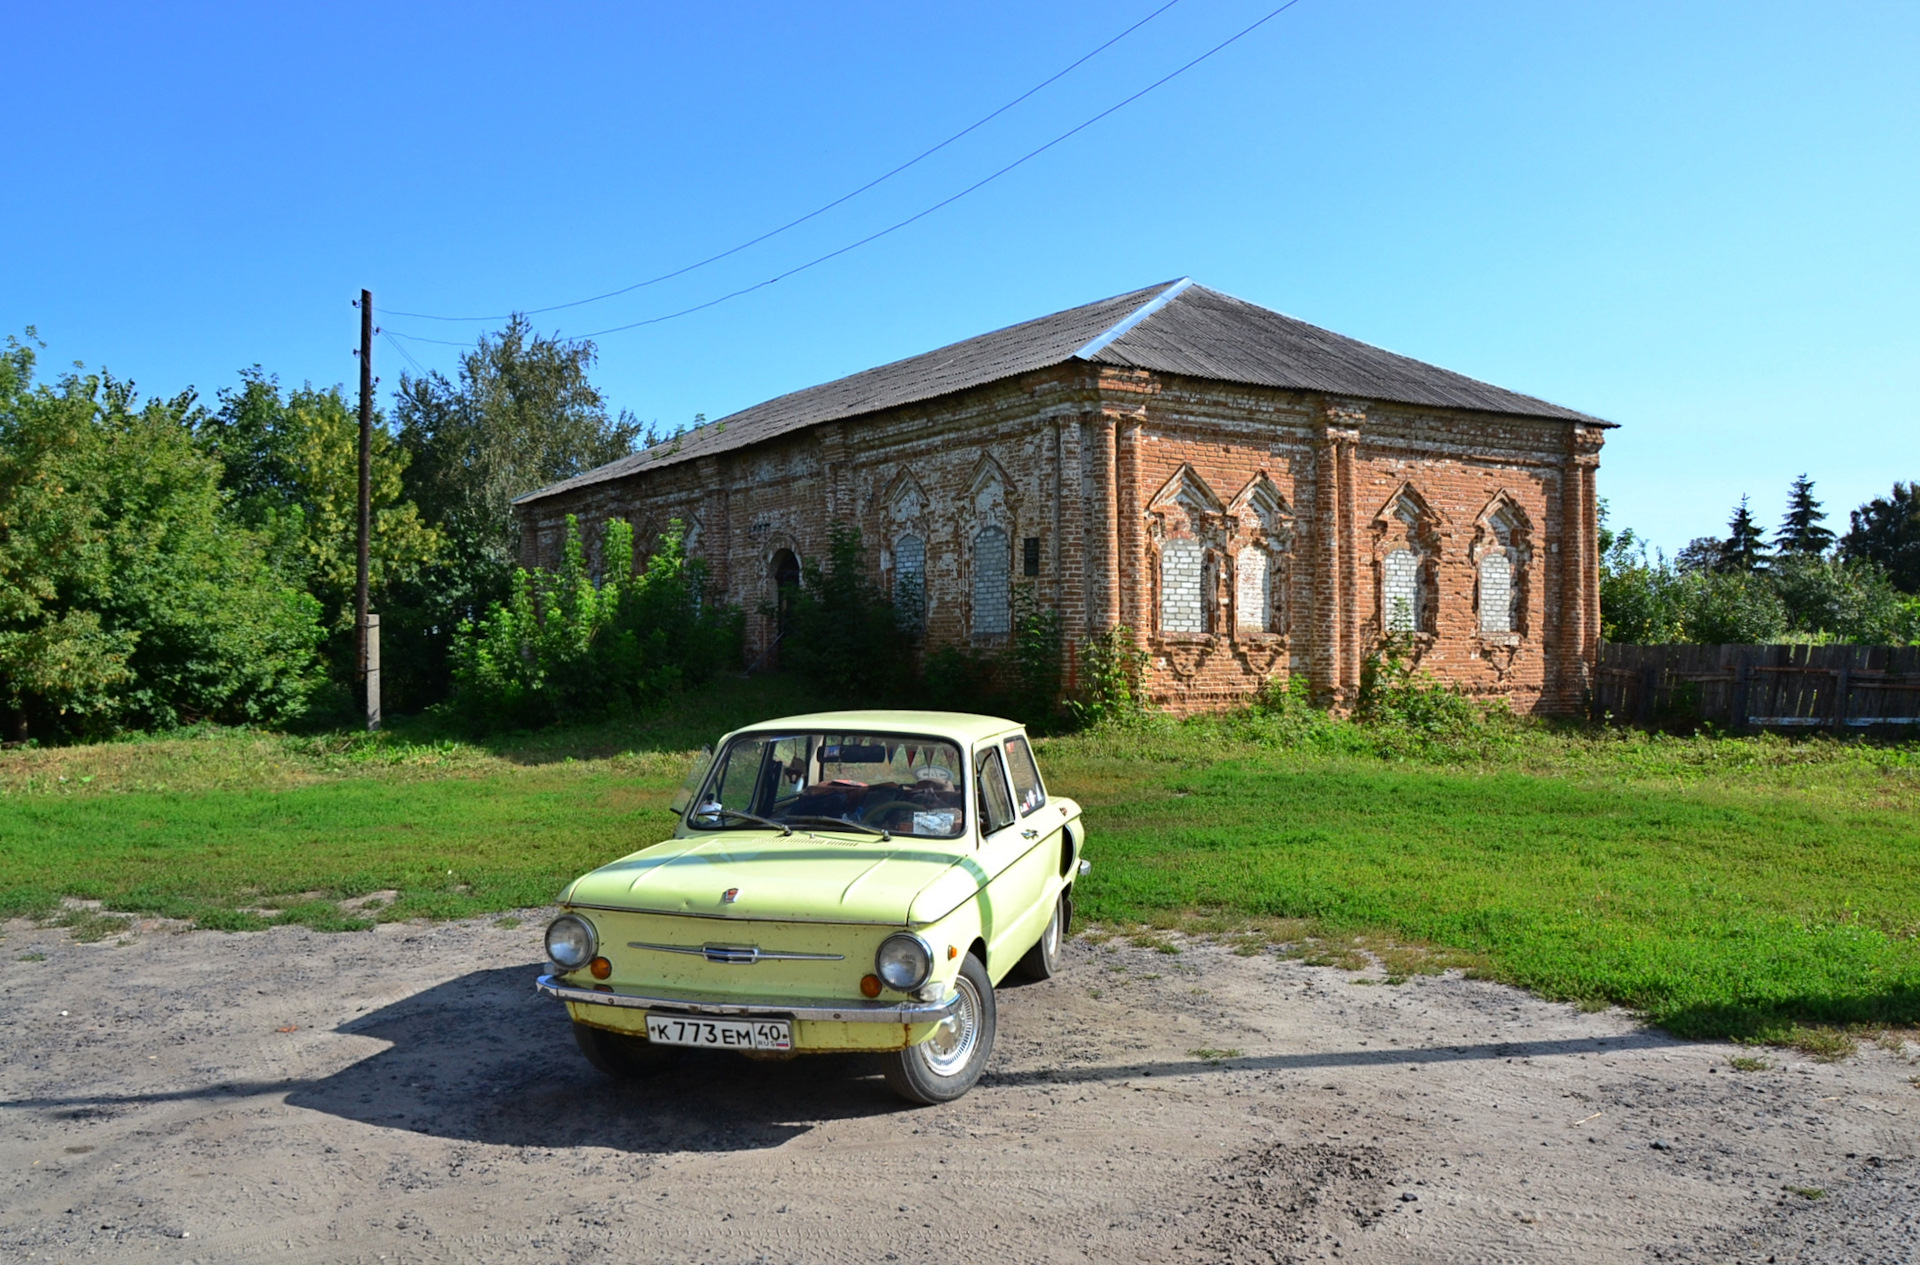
[{"x": 784, "y": 570}]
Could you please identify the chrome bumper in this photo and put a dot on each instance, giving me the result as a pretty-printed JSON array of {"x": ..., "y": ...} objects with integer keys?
[{"x": 828, "y": 1009}]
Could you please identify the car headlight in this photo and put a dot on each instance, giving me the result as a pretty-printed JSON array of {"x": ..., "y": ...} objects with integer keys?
[
  {"x": 571, "y": 941},
  {"x": 903, "y": 962}
]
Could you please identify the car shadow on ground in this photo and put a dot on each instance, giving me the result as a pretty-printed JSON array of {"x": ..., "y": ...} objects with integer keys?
[{"x": 483, "y": 1058}]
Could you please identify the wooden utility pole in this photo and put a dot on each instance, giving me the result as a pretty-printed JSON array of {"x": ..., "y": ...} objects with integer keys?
[{"x": 363, "y": 650}]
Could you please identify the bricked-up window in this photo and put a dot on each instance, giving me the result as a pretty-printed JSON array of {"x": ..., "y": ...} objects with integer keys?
[
  {"x": 1030, "y": 556},
  {"x": 1496, "y": 593},
  {"x": 992, "y": 612},
  {"x": 1253, "y": 591},
  {"x": 910, "y": 582},
  {"x": 1181, "y": 572},
  {"x": 1400, "y": 595}
]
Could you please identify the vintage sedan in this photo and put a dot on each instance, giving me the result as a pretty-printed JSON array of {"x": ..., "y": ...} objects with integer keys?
[{"x": 848, "y": 881}]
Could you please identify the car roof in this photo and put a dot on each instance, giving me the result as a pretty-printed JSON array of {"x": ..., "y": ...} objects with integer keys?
[{"x": 962, "y": 727}]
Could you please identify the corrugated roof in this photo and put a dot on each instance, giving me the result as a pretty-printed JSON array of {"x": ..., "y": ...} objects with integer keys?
[{"x": 1176, "y": 327}]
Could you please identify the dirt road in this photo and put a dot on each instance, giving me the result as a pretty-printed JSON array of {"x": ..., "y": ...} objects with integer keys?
[{"x": 402, "y": 1095}]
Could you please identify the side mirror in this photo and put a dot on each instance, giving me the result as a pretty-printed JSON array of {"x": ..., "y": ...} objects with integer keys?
[{"x": 696, "y": 776}]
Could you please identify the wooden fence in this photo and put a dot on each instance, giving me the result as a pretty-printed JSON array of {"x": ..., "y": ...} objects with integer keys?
[{"x": 1845, "y": 689}]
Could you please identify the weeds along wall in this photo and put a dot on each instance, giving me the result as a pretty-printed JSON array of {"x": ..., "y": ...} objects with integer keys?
[{"x": 1245, "y": 533}]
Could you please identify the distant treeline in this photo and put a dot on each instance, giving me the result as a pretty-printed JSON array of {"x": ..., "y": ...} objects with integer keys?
[
  {"x": 169, "y": 560},
  {"x": 1808, "y": 584}
]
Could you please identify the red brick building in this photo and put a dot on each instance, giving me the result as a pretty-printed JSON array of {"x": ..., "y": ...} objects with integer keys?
[{"x": 1252, "y": 495}]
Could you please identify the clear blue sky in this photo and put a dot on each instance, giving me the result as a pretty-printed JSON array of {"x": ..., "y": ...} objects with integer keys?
[{"x": 1697, "y": 220}]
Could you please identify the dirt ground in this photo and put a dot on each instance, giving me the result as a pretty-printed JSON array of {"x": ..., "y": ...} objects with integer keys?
[{"x": 402, "y": 1095}]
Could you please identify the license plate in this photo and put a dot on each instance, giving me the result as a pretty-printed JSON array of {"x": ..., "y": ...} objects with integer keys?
[{"x": 724, "y": 1034}]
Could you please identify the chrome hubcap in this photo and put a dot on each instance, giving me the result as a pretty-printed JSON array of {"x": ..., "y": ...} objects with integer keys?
[
  {"x": 951, "y": 1044},
  {"x": 1053, "y": 931}
]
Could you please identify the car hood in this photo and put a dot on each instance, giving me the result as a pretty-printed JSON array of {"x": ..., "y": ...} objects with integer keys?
[{"x": 801, "y": 877}]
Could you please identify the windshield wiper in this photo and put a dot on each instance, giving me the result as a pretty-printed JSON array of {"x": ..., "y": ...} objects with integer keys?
[
  {"x": 841, "y": 823},
  {"x": 782, "y": 827}
]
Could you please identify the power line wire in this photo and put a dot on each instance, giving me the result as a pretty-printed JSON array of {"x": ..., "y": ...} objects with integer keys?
[
  {"x": 920, "y": 215},
  {"x": 928, "y": 153},
  {"x": 397, "y": 346}
]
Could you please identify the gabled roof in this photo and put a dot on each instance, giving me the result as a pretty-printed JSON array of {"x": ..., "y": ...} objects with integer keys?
[{"x": 1177, "y": 327}]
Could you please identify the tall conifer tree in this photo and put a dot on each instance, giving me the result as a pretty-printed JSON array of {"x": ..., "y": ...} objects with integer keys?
[
  {"x": 1745, "y": 548},
  {"x": 1800, "y": 532}
]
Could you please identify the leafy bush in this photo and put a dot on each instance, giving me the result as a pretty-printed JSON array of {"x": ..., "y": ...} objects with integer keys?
[
  {"x": 1036, "y": 661},
  {"x": 1112, "y": 671},
  {"x": 129, "y": 596},
  {"x": 1849, "y": 601},
  {"x": 841, "y": 631},
  {"x": 960, "y": 679},
  {"x": 1395, "y": 699},
  {"x": 565, "y": 647}
]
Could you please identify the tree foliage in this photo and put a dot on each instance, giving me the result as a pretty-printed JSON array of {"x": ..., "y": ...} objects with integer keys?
[
  {"x": 842, "y": 631},
  {"x": 1886, "y": 531},
  {"x": 1802, "y": 531},
  {"x": 1647, "y": 599},
  {"x": 567, "y": 646},
  {"x": 522, "y": 414},
  {"x": 1745, "y": 548},
  {"x": 128, "y": 596},
  {"x": 291, "y": 467}
]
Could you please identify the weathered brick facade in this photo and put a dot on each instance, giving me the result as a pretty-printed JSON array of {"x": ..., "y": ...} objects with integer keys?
[{"x": 1243, "y": 531}]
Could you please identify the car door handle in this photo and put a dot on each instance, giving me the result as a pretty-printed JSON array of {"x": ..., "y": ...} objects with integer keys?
[{"x": 1029, "y": 834}]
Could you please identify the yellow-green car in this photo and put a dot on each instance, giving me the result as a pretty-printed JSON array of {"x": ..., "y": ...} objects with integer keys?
[{"x": 837, "y": 882}]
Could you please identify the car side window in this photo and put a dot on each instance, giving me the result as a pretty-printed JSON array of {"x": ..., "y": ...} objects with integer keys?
[
  {"x": 996, "y": 803},
  {"x": 1027, "y": 791}
]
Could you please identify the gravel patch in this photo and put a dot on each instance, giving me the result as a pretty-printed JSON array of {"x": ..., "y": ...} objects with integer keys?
[{"x": 401, "y": 1094}]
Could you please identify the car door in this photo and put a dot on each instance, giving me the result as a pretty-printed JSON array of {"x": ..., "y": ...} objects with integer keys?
[
  {"x": 1013, "y": 886},
  {"x": 1040, "y": 826}
]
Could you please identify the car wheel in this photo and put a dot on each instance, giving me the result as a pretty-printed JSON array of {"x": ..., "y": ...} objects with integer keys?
[
  {"x": 1043, "y": 959},
  {"x": 946, "y": 1064},
  {"x": 621, "y": 1055}
]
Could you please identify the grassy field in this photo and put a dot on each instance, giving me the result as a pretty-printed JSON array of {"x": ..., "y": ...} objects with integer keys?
[{"x": 1742, "y": 887}]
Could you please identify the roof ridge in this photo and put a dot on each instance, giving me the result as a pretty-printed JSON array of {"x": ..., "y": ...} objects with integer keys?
[{"x": 1115, "y": 332}]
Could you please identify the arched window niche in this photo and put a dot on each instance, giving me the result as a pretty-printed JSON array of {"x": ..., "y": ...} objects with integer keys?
[
  {"x": 1182, "y": 587},
  {"x": 992, "y": 598},
  {"x": 1188, "y": 527},
  {"x": 910, "y": 582},
  {"x": 1502, "y": 549},
  {"x": 1262, "y": 524},
  {"x": 1406, "y": 552}
]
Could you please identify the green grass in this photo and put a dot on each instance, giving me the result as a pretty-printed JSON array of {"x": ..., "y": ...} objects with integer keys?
[{"x": 1755, "y": 888}]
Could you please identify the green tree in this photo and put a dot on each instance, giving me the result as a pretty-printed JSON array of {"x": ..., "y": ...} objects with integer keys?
[
  {"x": 1745, "y": 548},
  {"x": 1886, "y": 531},
  {"x": 1739, "y": 607},
  {"x": 292, "y": 466},
  {"x": 137, "y": 599},
  {"x": 54, "y": 658},
  {"x": 1801, "y": 531},
  {"x": 1640, "y": 591},
  {"x": 522, "y": 414}
]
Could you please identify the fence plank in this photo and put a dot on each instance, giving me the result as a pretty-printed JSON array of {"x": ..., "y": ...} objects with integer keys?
[{"x": 1844, "y": 689}]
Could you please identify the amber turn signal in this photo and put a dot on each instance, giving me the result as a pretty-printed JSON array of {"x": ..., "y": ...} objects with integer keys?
[
  {"x": 870, "y": 985},
  {"x": 953, "y": 951},
  {"x": 600, "y": 967}
]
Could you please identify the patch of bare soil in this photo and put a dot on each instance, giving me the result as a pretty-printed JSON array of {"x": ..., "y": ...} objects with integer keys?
[{"x": 401, "y": 1094}]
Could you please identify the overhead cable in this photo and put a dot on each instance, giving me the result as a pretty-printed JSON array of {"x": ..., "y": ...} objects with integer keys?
[
  {"x": 821, "y": 210},
  {"x": 919, "y": 215}
]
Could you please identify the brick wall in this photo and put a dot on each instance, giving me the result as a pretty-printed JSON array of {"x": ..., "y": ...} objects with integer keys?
[{"x": 1147, "y": 493}]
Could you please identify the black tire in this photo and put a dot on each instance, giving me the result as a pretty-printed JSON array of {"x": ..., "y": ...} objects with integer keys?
[
  {"x": 947, "y": 1064},
  {"x": 620, "y": 1055},
  {"x": 1042, "y": 961}
]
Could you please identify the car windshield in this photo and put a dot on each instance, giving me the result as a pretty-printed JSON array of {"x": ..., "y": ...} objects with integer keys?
[{"x": 901, "y": 784}]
